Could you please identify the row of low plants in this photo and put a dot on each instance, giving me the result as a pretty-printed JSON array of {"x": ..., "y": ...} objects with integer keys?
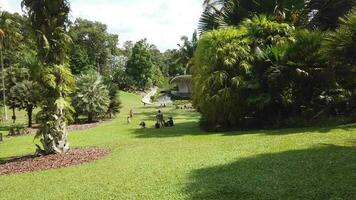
[
  {"x": 91, "y": 100},
  {"x": 267, "y": 73},
  {"x": 92, "y": 97}
]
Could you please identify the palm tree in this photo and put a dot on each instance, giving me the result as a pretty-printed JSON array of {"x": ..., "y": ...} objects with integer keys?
[
  {"x": 325, "y": 14},
  {"x": 49, "y": 20},
  {"x": 186, "y": 51},
  {"x": 222, "y": 13},
  {"x": 317, "y": 14}
]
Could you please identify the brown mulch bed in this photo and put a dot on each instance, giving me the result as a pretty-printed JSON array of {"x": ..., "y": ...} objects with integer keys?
[
  {"x": 73, "y": 127},
  {"x": 32, "y": 163}
]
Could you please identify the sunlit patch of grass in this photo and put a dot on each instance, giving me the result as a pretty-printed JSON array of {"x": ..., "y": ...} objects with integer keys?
[{"x": 184, "y": 162}]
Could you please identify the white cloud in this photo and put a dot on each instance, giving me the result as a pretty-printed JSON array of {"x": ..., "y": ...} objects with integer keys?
[
  {"x": 10, "y": 5},
  {"x": 162, "y": 22}
]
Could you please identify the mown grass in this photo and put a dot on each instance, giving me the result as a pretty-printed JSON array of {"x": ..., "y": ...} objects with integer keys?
[{"x": 185, "y": 162}]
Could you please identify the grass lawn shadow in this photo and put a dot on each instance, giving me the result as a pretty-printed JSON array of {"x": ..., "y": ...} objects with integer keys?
[
  {"x": 187, "y": 123},
  {"x": 4, "y": 128},
  {"x": 323, "y": 172},
  {"x": 180, "y": 129}
]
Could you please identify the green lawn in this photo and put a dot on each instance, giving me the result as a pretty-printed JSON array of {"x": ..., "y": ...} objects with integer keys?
[{"x": 185, "y": 162}]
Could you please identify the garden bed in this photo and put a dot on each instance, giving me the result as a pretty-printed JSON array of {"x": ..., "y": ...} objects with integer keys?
[
  {"x": 32, "y": 163},
  {"x": 72, "y": 127}
]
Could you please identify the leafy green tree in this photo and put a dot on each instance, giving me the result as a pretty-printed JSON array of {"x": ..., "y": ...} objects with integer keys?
[
  {"x": 173, "y": 59},
  {"x": 14, "y": 77},
  {"x": 16, "y": 39},
  {"x": 79, "y": 60},
  {"x": 49, "y": 20},
  {"x": 91, "y": 97},
  {"x": 140, "y": 65},
  {"x": 25, "y": 95},
  {"x": 122, "y": 79},
  {"x": 16, "y": 43},
  {"x": 93, "y": 46}
]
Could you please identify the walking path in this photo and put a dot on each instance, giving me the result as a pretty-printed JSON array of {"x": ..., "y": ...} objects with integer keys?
[{"x": 147, "y": 99}]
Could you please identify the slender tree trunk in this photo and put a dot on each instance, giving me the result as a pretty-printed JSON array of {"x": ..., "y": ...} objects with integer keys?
[
  {"x": 29, "y": 114},
  {"x": 13, "y": 115},
  {"x": 3, "y": 79}
]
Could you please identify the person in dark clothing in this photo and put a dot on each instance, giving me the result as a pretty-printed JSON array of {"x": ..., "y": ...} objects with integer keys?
[
  {"x": 170, "y": 121},
  {"x": 143, "y": 124}
]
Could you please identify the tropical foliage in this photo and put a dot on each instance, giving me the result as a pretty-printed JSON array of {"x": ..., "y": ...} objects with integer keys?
[
  {"x": 49, "y": 20},
  {"x": 91, "y": 97},
  {"x": 92, "y": 48},
  {"x": 223, "y": 13},
  {"x": 266, "y": 73},
  {"x": 315, "y": 14}
]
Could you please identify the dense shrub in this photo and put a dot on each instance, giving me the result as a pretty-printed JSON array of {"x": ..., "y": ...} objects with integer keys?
[
  {"x": 297, "y": 79},
  {"x": 91, "y": 97},
  {"x": 223, "y": 82},
  {"x": 264, "y": 73},
  {"x": 340, "y": 48},
  {"x": 221, "y": 67}
]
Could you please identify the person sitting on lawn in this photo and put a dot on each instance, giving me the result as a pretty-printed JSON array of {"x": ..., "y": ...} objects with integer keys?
[
  {"x": 170, "y": 121},
  {"x": 159, "y": 118},
  {"x": 166, "y": 124},
  {"x": 143, "y": 124}
]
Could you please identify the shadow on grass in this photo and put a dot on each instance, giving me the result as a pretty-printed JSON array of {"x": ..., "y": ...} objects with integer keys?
[
  {"x": 190, "y": 127},
  {"x": 179, "y": 130},
  {"x": 4, "y": 128},
  {"x": 324, "y": 172},
  {"x": 187, "y": 123}
]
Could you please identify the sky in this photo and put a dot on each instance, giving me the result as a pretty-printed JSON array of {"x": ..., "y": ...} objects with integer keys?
[{"x": 162, "y": 22}]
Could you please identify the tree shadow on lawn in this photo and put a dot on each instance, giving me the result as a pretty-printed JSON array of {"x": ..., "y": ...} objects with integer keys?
[
  {"x": 187, "y": 123},
  {"x": 179, "y": 130},
  {"x": 192, "y": 128},
  {"x": 323, "y": 172},
  {"x": 4, "y": 128}
]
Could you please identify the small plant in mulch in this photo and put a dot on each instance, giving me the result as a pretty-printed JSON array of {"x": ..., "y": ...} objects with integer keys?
[{"x": 32, "y": 163}]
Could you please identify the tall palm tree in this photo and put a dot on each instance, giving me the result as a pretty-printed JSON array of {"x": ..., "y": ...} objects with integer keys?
[
  {"x": 325, "y": 14},
  {"x": 49, "y": 20},
  {"x": 317, "y": 14},
  {"x": 186, "y": 51},
  {"x": 222, "y": 13}
]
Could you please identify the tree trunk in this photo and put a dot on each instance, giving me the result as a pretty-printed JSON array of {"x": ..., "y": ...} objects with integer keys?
[
  {"x": 90, "y": 117},
  {"x": 13, "y": 115},
  {"x": 55, "y": 135},
  {"x": 29, "y": 114}
]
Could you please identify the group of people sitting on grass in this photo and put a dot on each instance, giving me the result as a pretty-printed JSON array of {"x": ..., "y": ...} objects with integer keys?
[{"x": 160, "y": 122}]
